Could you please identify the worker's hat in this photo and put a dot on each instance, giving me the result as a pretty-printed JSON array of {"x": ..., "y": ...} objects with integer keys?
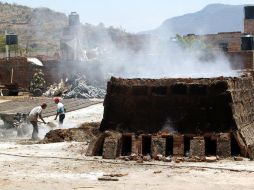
[
  {"x": 44, "y": 104},
  {"x": 56, "y": 99}
]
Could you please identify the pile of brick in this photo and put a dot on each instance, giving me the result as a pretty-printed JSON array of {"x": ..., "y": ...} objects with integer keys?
[{"x": 209, "y": 117}]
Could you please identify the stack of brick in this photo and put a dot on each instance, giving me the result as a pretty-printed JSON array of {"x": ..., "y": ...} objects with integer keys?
[
  {"x": 223, "y": 146},
  {"x": 243, "y": 110},
  {"x": 197, "y": 147},
  {"x": 193, "y": 106}
]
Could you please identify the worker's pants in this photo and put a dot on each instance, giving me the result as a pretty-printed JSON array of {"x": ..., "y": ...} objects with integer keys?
[
  {"x": 61, "y": 118},
  {"x": 35, "y": 130}
]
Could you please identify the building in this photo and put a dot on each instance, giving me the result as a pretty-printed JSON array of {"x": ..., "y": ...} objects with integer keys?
[
  {"x": 70, "y": 43},
  {"x": 238, "y": 46}
]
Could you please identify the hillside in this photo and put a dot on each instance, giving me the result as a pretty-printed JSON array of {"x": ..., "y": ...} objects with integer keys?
[
  {"x": 213, "y": 18},
  {"x": 39, "y": 30}
]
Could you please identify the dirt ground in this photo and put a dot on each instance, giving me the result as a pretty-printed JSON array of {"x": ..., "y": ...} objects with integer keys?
[{"x": 27, "y": 165}]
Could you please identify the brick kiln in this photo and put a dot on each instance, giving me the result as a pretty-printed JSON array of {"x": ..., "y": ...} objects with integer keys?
[{"x": 178, "y": 117}]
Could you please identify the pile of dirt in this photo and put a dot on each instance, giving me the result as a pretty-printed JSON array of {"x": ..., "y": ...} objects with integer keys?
[{"x": 84, "y": 133}]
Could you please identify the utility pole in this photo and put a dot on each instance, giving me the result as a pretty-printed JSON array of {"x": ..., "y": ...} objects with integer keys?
[{"x": 7, "y": 47}]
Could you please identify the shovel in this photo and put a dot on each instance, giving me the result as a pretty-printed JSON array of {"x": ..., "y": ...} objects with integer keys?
[{"x": 49, "y": 124}]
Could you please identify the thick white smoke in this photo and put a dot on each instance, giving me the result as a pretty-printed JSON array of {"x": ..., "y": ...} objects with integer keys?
[{"x": 163, "y": 59}]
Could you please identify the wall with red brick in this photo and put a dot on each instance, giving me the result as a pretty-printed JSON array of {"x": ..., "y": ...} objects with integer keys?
[
  {"x": 23, "y": 71},
  {"x": 241, "y": 60},
  {"x": 233, "y": 39},
  {"x": 249, "y": 26}
]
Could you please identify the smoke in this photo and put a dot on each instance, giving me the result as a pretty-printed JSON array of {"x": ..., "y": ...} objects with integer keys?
[
  {"x": 168, "y": 127},
  {"x": 104, "y": 52},
  {"x": 162, "y": 58}
]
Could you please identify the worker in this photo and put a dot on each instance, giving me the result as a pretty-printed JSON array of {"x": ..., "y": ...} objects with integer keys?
[
  {"x": 33, "y": 118},
  {"x": 60, "y": 110}
]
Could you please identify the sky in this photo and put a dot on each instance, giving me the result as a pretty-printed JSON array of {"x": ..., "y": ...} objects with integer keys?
[{"x": 131, "y": 15}]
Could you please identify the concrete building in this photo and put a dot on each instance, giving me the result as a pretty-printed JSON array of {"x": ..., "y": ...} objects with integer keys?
[
  {"x": 70, "y": 43},
  {"x": 238, "y": 46}
]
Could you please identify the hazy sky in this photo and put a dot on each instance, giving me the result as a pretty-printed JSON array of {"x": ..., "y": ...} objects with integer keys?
[{"x": 132, "y": 15}]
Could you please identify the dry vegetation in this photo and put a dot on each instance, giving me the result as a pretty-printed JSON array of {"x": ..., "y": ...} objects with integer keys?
[{"x": 40, "y": 29}]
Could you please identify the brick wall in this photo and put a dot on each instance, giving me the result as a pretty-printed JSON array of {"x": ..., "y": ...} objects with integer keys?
[
  {"x": 23, "y": 71},
  {"x": 249, "y": 26},
  {"x": 182, "y": 106},
  {"x": 232, "y": 39},
  {"x": 241, "y": 60},
  {"x": 186, "y": 105}
]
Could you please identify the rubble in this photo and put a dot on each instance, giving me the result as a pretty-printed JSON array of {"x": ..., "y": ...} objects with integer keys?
[
  {"x": 211, "y": 159},
  {"x": 116, "y": 175},
  {"x": 56, "y": 89},
  {"x": 76, "y": 87},
  {"x": 107, "y": 179},
  {"x": 147, "y": 158},
  {"x": 238, "y": 158},
  {"x": 167, "y": 159},
  {"x": 85, "y": 91},
  {"x": 158, "y": 157}
]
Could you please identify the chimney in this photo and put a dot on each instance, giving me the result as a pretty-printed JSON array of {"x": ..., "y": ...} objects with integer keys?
[{"x": 249, "y": 19}]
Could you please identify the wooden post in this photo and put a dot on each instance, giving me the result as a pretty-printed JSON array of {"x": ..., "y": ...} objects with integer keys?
[{"x": 11, "y": 75}]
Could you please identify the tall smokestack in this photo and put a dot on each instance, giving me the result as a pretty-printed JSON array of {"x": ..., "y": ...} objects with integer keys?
[
  {"x": 74, "y": 19},
  {"x": 249, "y": 19},
  {"x": 70, "y": 42}
]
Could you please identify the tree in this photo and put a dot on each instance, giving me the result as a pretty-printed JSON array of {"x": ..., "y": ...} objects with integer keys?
[
  {"x": 38, "y": 81},
  {"x": 192, "y": 42}
]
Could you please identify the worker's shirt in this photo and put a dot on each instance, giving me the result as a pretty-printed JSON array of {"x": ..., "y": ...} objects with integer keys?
[
  {"x": 34, "y": 113},
  {"x": 60, "y": 108}
]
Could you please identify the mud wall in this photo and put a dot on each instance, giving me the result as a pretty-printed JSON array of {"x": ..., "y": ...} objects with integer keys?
[
  {"x": 243, "y": 112},
  {"x": 54, "y": 70},
  {"x": 22, "y": 71},
  {"x": 181, "y": 105}
]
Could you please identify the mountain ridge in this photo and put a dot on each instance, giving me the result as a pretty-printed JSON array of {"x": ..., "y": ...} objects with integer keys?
[{"x": 213, "y": 18}]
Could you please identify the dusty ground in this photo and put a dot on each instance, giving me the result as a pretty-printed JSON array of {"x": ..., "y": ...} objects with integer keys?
[{"x": 25, "y": 165}]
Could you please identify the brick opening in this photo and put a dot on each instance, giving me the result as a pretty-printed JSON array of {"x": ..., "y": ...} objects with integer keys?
[
  {"x": 210, "y": 146},
  {"x": 146, "y": 144},
  {"x": 197, "y": 89},
  {"x": 218, "y": 87},
  {"x": 139, "y": 90},
  {"x": 99, "y": 149},
  {"x": 187, "y": 145},
  {"x": 126, "y": 145},
  {"x": 169, "y": 146},
  {"x": 235, "y": 148},
  {"x": 160, "y": 90},
  {"x": 179, "y": 89}
]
